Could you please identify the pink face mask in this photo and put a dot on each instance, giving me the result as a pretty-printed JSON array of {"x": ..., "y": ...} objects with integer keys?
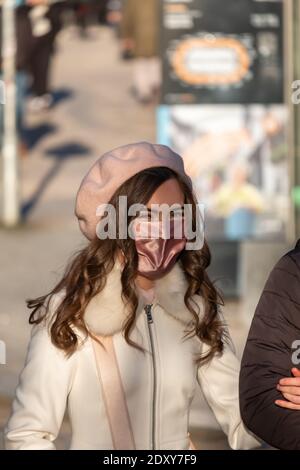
[{"x": 158, "y": 255}]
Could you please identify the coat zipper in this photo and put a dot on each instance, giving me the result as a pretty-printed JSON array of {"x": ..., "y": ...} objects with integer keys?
[{"x": 148, "y": 311}]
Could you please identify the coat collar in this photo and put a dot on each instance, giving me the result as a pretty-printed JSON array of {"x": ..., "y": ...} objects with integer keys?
[{"x": 106, "y": 312}]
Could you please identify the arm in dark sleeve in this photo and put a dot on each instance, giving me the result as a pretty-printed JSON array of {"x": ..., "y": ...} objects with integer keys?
[{"x": 268, "y": 356}]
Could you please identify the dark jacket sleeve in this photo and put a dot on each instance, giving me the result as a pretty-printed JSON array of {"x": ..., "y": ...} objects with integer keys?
[{"x": 268, "y": 356}]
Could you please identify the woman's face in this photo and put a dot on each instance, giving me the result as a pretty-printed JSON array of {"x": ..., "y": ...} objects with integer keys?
[{"x": 156, "y": 257}]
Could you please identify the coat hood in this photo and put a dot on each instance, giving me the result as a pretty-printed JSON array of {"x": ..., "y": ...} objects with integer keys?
[{"x": 106, "y": 312}]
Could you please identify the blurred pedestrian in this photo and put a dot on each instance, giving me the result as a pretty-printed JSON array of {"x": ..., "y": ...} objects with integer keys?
[
  {"x": 140, "y": 35},
  {"x": 114, "y": 13},
  {"x": 89, "y": 12},
  {"x": 37, "y": 46},
  {"x": 82, "y": 12},
  {"x": 21, "y": 20}
]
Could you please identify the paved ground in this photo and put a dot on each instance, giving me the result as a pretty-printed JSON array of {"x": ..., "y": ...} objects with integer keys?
[{"x": 94, "y": 112}]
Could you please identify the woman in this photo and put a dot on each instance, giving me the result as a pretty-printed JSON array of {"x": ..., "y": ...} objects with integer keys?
[{"x": 152, "y": 296}]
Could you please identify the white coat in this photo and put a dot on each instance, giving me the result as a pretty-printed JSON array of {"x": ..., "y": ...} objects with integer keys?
[{"x": 50, "y": 381}]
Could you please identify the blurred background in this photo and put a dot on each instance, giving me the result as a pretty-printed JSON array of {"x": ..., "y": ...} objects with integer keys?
[{"x": 214, "y": 79}]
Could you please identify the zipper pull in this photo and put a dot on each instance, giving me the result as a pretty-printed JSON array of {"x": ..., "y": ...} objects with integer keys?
[{"x": 147, "y": 309}]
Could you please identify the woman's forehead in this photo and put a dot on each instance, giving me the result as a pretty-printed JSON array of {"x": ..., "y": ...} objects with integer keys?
[{"x": 168, "y": 193}]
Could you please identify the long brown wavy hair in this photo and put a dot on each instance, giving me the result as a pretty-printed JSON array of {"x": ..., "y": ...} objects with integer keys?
[{"x": 87, "y": 272}]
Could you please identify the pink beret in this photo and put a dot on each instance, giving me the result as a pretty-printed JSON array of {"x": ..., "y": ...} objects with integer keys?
[{"x": 111, "y": 170}]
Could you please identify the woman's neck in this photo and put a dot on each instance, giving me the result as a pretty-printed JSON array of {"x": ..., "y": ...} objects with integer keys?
[{"x": 144, "y": 283}]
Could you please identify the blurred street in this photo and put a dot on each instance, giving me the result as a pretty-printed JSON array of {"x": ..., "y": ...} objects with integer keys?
[{"x": 93, "y": 111}]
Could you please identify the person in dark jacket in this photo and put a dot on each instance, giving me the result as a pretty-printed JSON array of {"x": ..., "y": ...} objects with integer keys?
[{"x": 270, "y": 376}]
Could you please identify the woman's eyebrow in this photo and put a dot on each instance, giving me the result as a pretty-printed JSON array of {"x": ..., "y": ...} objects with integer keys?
[
  {"x": 155, "y": 213},
  {"x": 175, "y": 209}
]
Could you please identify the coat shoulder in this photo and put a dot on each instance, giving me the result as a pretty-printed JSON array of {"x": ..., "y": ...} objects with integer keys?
[
  {"x": 288, "y": 265},
  {"x": 294, "y": 255},
  {"x": 280, "y": 298}
]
